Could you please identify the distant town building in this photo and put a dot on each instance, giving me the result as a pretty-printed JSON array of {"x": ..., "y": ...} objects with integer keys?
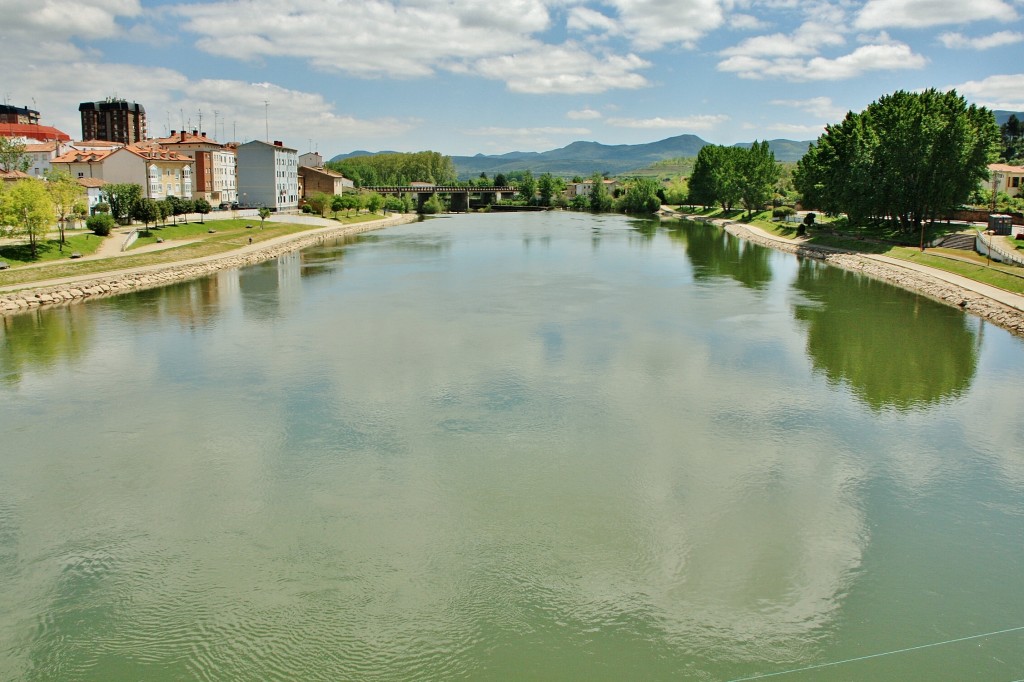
[
  {"x": 159, "y": 171},
  {"x": 31, "y": 132},
  {"x": 311, "y": 159},
  {"x": 115, "y": 120},
  {"x": 324, "y": 180},
  {"x": 1006, "y": 178},
  {"x": 268, "y": 175},
  {"x": 40, "y": 155},
  {"x": 22, "y": 115},
  {"x": 214, "y": 178}
]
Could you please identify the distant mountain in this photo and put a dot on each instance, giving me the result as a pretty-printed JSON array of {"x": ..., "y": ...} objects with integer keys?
[
  {"x": 785, "y": 150},
  {"x": 585, "y": 158},
  {"x": 1004, "y": 116}
]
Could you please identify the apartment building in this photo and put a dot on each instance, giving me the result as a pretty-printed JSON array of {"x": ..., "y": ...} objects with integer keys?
[
  {"x": 215, "y": 173},
  {"x": 268, "y": 175}
]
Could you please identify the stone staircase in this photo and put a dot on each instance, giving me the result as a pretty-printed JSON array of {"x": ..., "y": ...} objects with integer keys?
[{"x": 964, "y": 242}]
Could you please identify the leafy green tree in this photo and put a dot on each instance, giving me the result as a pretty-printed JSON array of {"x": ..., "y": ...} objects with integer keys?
[
  {"x": 263, "y": 213},
  {"x": 166, "y": 210},
  {"x": 600, "y": 199},
  {"x": 13, "y": 156},
  {"x": 908, "y": 158},
  {"x": 500, "y": 180},
  {"x": 65, "y": 193},
  {"x": 397, "y": 169},
  {"x": 374, "y": 201},
  {"x": 527, "y": 188},
  {"x": 702, "y": 179},
  {"x": 319, "y": 202},
  {"x": 350, "y": 201},
  {"x": 394, "y": 204},
  {"x": 147, "y": 211},
  {"x": 433, "y": 205},
  {"x": 337, "y": 204},
  {"x": 641, "y": 196},
  {"x": 101, "y": 224},
  {"x": 759, "y": 173},
  {"x": 202, "y": 207},
  {"x": 28, "y": 208},
  {"x": 122, "y": 198},
  {"x": 1012, "y": 145},
  {"x": 80, "y": 210}
]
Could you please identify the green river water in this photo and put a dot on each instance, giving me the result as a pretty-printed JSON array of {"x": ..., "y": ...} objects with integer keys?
[{"x": 513, "y": 447}]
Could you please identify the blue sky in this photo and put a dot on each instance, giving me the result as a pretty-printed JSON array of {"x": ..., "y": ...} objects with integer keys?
[{"x": 492, "y": 76}]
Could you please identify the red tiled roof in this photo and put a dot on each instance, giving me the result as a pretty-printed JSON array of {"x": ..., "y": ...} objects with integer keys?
[
  {"x": 41, "y": 146},
  {"x": 151, "y": 151},
  {"x": 1005, "y": 168},
  {"x": 77, "y": 156},
  {"x": 187, "y": 138},
  {"x": 33, "y": 132},
  {"x": 14, "y": 175},
  {"x": 91, "y": 182}
]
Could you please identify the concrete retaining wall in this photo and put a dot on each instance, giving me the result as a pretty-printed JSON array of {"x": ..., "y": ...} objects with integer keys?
[{"x": 154, "y": 276}]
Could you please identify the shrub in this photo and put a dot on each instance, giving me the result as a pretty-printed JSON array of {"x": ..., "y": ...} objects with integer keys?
[
  {"x": 101, "y": 224},
  {"x": 809, "y": 219},
  {"x": 783, "y": 212}
]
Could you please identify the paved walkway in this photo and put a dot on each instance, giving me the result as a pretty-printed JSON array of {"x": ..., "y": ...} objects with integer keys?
[
  {"x": 1003, "y": 296},
  {"x": 113, "y": 251}
]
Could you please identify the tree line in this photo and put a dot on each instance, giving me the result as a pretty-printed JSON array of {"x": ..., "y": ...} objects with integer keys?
[
  {"x": 906, "y": 159},
  {"x": 728, "y": 176},
  {"x": 397, "y": 169}
]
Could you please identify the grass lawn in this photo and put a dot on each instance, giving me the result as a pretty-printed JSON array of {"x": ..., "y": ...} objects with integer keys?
[
  {"x": 229, "y": 235},
  {"x": 48, "y": 250},
  {"x": 879, "y": 240}
]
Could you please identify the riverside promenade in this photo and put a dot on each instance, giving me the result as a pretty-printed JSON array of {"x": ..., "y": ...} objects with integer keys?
[
  {"x": 23, "y": 297},
  {"x": 1001, "y": 307}
]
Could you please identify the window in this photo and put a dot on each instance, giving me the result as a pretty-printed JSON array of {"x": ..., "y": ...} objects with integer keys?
[{"x": 1016, "y": 182}]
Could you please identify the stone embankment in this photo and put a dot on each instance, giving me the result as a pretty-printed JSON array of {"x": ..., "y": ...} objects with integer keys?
[
  {"x": 123, "y": 281},
  {"x": 1007, "y": 317}
]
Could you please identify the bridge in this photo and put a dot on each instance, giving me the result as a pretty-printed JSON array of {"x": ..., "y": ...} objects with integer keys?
[{"x": 460, "y": 196}]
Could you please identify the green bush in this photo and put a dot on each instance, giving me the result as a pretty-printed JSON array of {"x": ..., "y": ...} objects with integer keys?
[
  {"x": 101, "y": 224},
  {"x": 783, "y": 212}
]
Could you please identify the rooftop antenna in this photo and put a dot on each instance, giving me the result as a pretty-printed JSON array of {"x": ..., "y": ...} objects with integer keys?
[
  {"x": 200, "y": 121},
  {"x": 215, "y": 113},
  {"x": 266, "y": 118}
]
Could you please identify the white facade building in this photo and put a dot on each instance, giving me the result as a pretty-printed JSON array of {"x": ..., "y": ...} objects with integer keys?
[{"x": 268, "y": 175}]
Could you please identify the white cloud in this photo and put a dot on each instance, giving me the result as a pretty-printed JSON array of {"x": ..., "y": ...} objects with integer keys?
[
  {"x": 61, "y": 20},
  {"x": 924, "y": 13},
  {"x": 704, "y": 122},
  {"x": 583, "y": 115},
  {"x": 995, "y": 92},
  {"x": 819, "y": 107},
  {"x": 958, "y": 41},
  {"x": 652, "y": 24},
  {"x": 563, "y": 69},
  {"x": 777, "y": 45},
  {"x": 370, "y": 38},
  {"x": 745, "y": 22},
  {"x": 584, "y": 19},
  {"x": 862, "y": 60}
]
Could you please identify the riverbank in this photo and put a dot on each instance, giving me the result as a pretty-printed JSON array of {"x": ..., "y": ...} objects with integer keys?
[
  {"x": 20, "y": 298},
  {"x": 998, "y": 306}
]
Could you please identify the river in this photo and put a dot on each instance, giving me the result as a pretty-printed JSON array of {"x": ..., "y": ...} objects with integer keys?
[{"x": 519, "y": 446}]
